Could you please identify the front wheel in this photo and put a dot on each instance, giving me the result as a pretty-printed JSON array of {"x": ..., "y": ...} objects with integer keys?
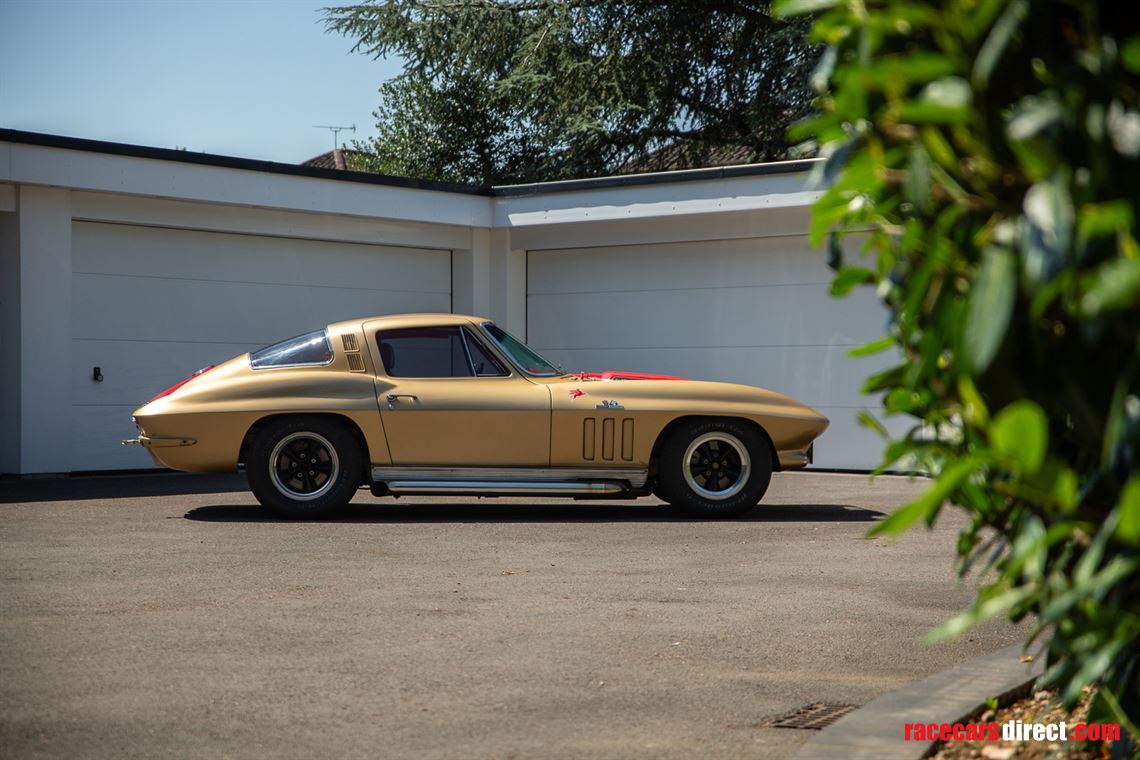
[
  {"x": 304, "y": 467},
  {"x": 714, "y": 468}
]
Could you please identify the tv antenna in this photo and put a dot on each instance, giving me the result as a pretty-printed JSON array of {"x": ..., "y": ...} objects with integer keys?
[{"x": 336, "y": 132}]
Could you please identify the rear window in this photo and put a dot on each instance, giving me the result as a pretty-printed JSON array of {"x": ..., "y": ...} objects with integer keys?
[{"x": 310, "y": 348}]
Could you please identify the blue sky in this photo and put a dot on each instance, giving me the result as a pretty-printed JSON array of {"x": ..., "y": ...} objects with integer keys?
[{"x": 236, "y": 77}]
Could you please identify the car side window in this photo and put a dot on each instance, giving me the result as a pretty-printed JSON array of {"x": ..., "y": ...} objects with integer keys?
[{"x": 424, "y": 352}]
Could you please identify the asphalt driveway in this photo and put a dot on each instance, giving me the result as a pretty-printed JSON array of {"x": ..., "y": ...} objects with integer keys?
[{"x": 170, "y": 616}]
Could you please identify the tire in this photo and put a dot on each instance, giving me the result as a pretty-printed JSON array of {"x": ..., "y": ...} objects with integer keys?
[
  {"x": 320, "y": 490},
  {"x": 714, "y": 468}
]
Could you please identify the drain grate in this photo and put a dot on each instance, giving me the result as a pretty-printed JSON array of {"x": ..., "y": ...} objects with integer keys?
[{"x": 809, "y": 717}]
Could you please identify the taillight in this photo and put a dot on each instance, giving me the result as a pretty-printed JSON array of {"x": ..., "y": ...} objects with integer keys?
[{"x": 178, "y": 385}]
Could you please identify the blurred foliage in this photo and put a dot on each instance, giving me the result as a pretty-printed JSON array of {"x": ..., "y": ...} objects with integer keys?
[
  {"x": 500, "y": 91},
  {"x": 988, "y": 152}
]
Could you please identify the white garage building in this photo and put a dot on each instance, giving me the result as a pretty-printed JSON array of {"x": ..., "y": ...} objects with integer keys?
[{"x": 148, "y": 264}]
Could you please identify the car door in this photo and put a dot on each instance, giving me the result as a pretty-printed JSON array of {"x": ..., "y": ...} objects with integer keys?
[{"x": 446, "y": 399}]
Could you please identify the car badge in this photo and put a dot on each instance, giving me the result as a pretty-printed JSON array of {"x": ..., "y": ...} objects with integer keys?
[
  {"x": 576, "y": 393},
  {"x": 609, "y": 405}
]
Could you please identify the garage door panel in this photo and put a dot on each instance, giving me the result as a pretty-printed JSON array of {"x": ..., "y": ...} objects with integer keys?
[
  {"x": 97, "y": 431},
  {"x": 730, "y": 316},
  {"x": 134, "y": 371},
  {"x": 816, "y": 375},
  {"x": 158, "y": 309},
  {"x": 705, "y": 264},
  {"x": 145, "y": 252},
  {"x": 848, "y": 445},
  {"x": 753, "y": 311},
  {"x": 152, "y": 305}
]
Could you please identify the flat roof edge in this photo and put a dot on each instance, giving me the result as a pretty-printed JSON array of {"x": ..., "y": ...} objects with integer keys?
[
  {"x": 231, "y": 162},
  {"x": 368, "y": 178},
  {"x": 657, "y": 178}
]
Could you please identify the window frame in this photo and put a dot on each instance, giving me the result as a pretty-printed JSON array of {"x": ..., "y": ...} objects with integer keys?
[{"x": 463, "y": 330}]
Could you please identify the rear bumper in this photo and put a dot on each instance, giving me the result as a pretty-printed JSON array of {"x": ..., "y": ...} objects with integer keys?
[
  {"x": 159, "y": 441},
  {"x": 158, "y": 445}
]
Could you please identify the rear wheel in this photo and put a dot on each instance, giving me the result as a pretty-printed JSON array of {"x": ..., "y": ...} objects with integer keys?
[
  {"x": 714, "y": 468},
  {"x": 304, "y": 467}
]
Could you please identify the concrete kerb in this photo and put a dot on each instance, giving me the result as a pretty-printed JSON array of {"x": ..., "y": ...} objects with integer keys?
[{"x": 876, "y": 729}]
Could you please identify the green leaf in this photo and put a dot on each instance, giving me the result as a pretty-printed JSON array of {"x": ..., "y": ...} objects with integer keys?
[
  {"x": 783, "y": 8},
  {"x": 922, "y": 112},
  {"x": 896, "y": 72},
  {"x": 917, "y": 187},
  {"x": 1049, "y": 212},
  {"x": 1106, "y": 706},
  {"x": 1114, "y": 285},
  {"x": 981, "y": 611},
  {"x": 888, "y": 378},
  {"x": 1128, "y": 527},
  {"x": 867, "y": 420},
  {"x": 997, "y": 41},
  {"x": 1093, "y": 588},
  {"x": 821, "y": 76},
  {"x": 948, "y": 92},
  {"x": 1130, "y": 55},
  {"x": 928, "y": 503},
  {"x": 901, "y": 400},
  {"x": 1100, "y": 219},
  {"x": 1033, "y": 115},
  {"x": 1091, "y": 668},
  {"x": 1020, "y": 434},
  {"x": 874, "y": 347},
  {"x": 939, "y": 148},
  {"x": 975, "y": 410},
  {"x": 848, "y": 278},
  {"x": 991, "y": 304}
]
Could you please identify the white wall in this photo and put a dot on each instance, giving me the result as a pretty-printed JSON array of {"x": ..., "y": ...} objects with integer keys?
[
  {"x": 9, "y": 336},
  {"x": 45, "y": 324}
]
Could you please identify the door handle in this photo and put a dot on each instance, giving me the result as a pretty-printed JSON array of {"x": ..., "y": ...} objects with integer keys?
[{"x": 393, "y": 397}]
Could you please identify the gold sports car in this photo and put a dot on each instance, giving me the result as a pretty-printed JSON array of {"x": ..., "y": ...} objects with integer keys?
[{"x": 452, "y": 404}]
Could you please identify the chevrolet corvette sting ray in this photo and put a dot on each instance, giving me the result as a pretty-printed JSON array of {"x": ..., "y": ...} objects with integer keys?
[{"x": 450, "y": 404}]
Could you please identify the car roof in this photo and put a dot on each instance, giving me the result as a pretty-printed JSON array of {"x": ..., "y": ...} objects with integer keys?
[{"x": 392, "y": 321}]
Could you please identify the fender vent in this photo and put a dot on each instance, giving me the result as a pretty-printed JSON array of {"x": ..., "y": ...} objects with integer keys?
[
  {"x": 349, "y": 341},
  {"x": 608, "y": 439},
  {"x": 355, "y": 363}
]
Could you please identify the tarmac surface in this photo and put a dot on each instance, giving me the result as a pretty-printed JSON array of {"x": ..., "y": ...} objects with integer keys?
[{"x": 170, "y": 616}]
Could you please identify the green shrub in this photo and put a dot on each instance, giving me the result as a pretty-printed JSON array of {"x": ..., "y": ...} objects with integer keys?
[{"x": 988, "y": 149}]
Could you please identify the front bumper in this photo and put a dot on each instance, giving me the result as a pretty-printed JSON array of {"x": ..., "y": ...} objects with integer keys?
[{"x": 797, "y": 459}]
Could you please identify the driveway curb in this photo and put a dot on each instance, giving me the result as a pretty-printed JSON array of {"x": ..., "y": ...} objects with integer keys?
[{"x": 876, "y": 729}]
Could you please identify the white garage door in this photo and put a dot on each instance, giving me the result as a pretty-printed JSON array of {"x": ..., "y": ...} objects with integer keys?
[
  {"x": 753, "y": 311},
  {"x": 151, "y": 305}
]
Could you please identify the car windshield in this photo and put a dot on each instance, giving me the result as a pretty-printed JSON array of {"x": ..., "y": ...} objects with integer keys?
[{"x": 526, "y": 359}]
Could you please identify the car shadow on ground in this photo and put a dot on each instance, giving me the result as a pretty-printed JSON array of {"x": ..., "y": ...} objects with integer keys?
[
  {"x": 523, "y": 512},
  {"x": 144, "y": 485}
]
